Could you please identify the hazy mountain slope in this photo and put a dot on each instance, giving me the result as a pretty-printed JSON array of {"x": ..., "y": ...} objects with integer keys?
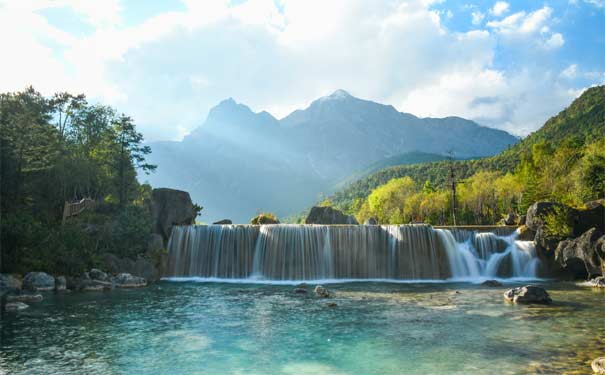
[
  {"x": 583, "y": 120},
  {"x": 239, "y": 162}
]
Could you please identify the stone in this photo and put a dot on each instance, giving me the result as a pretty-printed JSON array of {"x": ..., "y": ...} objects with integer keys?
[
  {"x": 598, "y": 365},
  {"x": 38, "y": 281},
  {"x": 583, "y": 256},
  {"x": 598, "y": 282},
  {"x": 15, "y": 306},
  {"x": 60, "y": 283},
  {"x": 10, "y": 282},
  {"x": 331, "y": 304},
  {"x": 264, "y": 219},
  {"x": 300, "y": 291},
  {"x": 528, "y": 294},
  {"x": 97, "y": 274},
  {"x": 171, "y": 207},
  {"x": 371, "y": 221},
  {"x": 142, "y": 266},
  {"x": 322, "y": 292},
  {"x": 126, "y": 280},
  {"x": 223, "y": 222},
  {"x": 510, "y": 219},
  {"x": 24, "y": 298},
  {"x": 492, "y": 283},
  {"x": 329, "y": 215}
]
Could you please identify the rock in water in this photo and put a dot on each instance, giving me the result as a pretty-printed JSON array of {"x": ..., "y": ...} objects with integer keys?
[
  {"x": 583, "y": 254},
  {"x": 223, "y": 222},
  {"x": 528, "y": 294},
  {"x": 598, "y": 365},
  {"x": 171, "y": 207},
  {"x": 598, "y": 282},
  {"x": 25, "y": 298},
  {"x": 38, "y": 281},
  {"x": 329, "y": 215},
  {"x": 15, "y": 306},
  {"x": 126, "y": 280},
  {"x": 60, "y": 283},
  {"x": 492, "y": 283},
  {"x": 300, "y": 291},
  {"x": 322, "y": 292}
]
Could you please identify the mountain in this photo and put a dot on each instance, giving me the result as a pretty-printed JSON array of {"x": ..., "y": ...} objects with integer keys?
[
  {"x": 239, "y": 162},
  {"x": 582, "y": 122}
]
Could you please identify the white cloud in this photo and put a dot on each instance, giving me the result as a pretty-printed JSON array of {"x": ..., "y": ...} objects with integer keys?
[
  {"x": 597, "y": 3},
  {"x": 500, "y": 8},
  {"x": 477, "y": 17},
  {"x": 570, "y": 72},
  {"x": 168, "y": 71}
]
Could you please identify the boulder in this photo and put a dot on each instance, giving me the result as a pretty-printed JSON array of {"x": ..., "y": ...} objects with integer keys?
[
  {"x": 10, "y": 282},
  {"x": 223, "y": 222},
  {"x": 126, "y": 280},
  {"x": 598, "y": 282},
  {"x": 328, "y": 215},
  {"x": 598, "y": 365},
  {"x": 322, "y": 292},
  {"x": 371, "y": 221},
  {"x": 583, "y": 256},
  {"x": 97, "y": 274},
  {"x": 141, "y": 266},
  {"x": 15, "y": 306},
  {"x": 492, "y": 283},
  {"x": 510, "y": 219},
  {"x": 24, "y": 298},
  {"x": 264, "y": 219},
  {"x": 171, "y": 207},
  {"x": 527, "y": 295},
  {"x": 60, "y": 283},
  {"x": 36, "y": 281}
]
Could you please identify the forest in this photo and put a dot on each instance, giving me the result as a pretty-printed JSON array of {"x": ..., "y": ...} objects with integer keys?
[
  {"x": 564, "y": 161},
  {"x": 64, "y": 149}
]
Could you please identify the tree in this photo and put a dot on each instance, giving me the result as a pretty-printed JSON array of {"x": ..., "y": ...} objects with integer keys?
[{"x": 130, "y": 155}]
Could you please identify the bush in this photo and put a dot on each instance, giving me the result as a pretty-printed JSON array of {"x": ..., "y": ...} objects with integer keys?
[{"x": 264, "y": 218}]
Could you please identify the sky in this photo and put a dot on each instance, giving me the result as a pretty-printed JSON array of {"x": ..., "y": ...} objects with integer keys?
[{"x": 509, "y": 65}]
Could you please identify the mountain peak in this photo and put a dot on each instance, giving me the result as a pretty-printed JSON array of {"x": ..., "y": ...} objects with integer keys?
[{"x": 339, "y": 94}]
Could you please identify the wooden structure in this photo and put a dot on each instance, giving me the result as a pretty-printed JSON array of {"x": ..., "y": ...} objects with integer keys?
[{"x": 76, "y": 208}]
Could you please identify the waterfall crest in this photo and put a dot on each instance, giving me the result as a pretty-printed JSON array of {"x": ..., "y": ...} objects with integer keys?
[{"x": 319, "y": 252}]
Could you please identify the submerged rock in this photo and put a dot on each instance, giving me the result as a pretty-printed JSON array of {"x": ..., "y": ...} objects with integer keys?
[
  {"x": 492, "y": 283},
  {"x": 528, "y": 294},
  {"x": 300, "y": 291},
  {"x": 328, "y": 215},
  {"x": 15, "y": 306},
  {"x": 38, "y": 281},
  {"x": 322, "y": 292},
  {"x": 598, "y": 365},
  {"x": 126, "y": 280},
  {"x": 331, "y": 304},
  {"x": 24, "y": 298}
]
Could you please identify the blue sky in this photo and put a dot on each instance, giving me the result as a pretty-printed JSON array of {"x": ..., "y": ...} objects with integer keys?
[{"x": 509, "y": 65}]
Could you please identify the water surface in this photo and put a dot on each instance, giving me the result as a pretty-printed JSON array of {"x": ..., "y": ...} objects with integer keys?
[{"x": 376, "y": 328}]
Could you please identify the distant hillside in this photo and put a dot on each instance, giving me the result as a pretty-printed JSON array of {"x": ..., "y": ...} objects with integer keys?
[
  {"x": 583, "y": 121},
  {"x": 239, "y": 162}
]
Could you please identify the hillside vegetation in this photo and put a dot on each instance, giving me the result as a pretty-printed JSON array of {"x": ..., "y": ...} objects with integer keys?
[{"x": 564, "y": 161}]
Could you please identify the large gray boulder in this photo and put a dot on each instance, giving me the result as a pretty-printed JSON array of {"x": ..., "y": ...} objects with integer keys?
[
  {"x": 329, "y": 215},
  {"x": 169, "y": 208},
  {"x": 126, "y": 280},
  {"x": 38, "y": 281},
  {"x": 528, "y": 294},
  {"x": 583, "y": 256}
]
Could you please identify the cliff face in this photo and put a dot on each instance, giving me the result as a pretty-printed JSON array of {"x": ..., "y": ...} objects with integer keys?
[{"x": 171, "y": 207}]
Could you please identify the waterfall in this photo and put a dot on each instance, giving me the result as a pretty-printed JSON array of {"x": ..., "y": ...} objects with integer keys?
[{"x": 320, "y": 252}]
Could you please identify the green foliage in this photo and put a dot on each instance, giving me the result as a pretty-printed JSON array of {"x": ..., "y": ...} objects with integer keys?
[
  {"x": 59, "y": 149},
  {"x": 198, "y": 209},
  {"x": 556, "y": 223},
  {"x": 264, "y": 218}
]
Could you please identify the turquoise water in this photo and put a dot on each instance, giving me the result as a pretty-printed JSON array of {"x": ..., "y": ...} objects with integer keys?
[{"x": 376, "y": 328}]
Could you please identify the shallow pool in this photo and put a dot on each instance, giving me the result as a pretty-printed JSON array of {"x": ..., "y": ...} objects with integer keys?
[{"x": 375, "y": 328}]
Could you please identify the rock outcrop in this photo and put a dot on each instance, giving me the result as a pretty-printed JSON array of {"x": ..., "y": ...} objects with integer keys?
[
  {"x": 527, "y": 295},
  {"x": 38, "y": 281},
  {"x": 328, "y": 215},
  {"x": 583, "y": 256},
  {"x": 171, "y": 207},
  {"x": 223, "y": 222},
  {"x": 264, "y": 219}
]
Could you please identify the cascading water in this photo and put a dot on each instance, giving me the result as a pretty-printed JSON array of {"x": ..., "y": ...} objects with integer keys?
[{"x": 320, "y": 252}]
